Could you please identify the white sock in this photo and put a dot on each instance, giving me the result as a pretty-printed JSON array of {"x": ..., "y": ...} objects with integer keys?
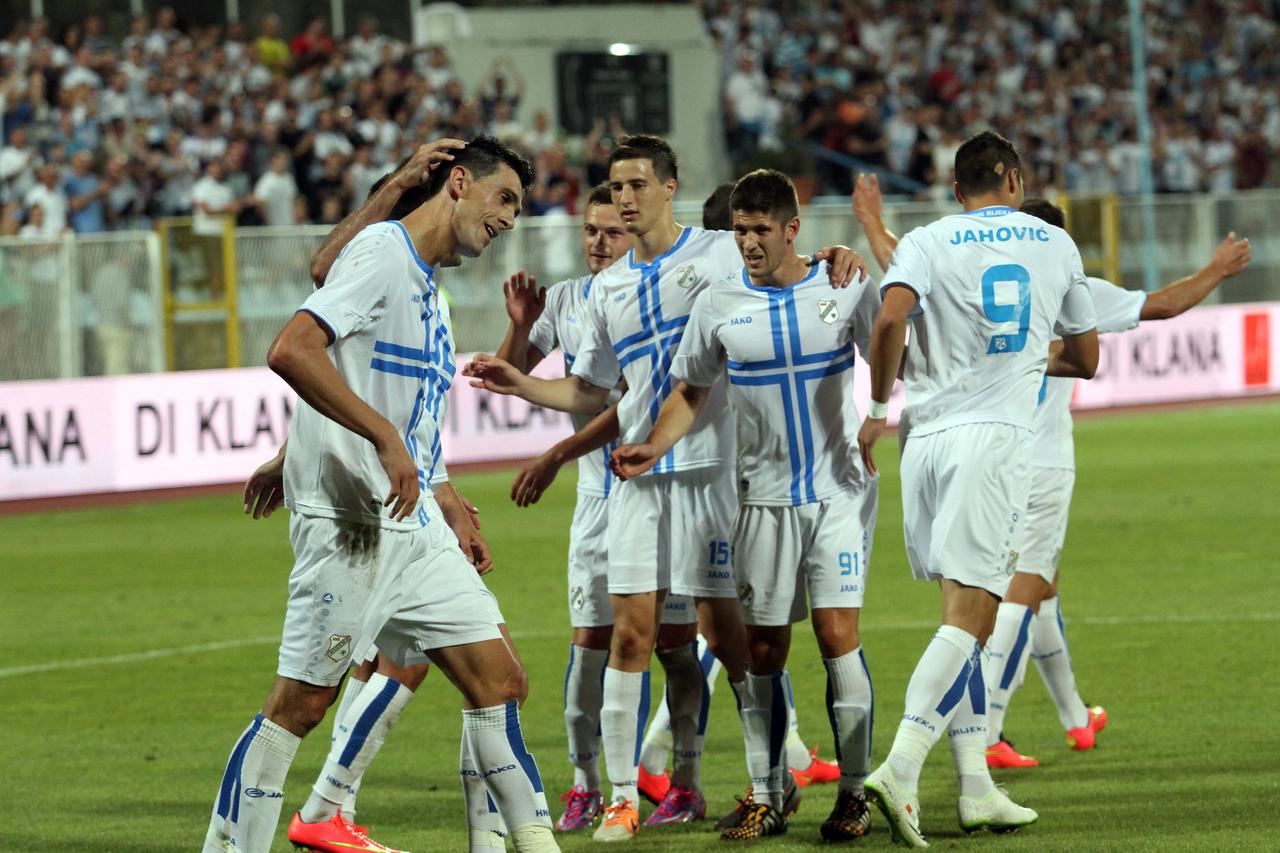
[
  {"x": 936, "y": 687},
  {"x": 358, "y": 735},
  {"x": 1053, "y": 659},
  {"x": 509, "y": 772},
  {"x": 622, "y": 717},
  {"x": 486, "y": 827},
  {"x": 685, "y": 701},
  {"x": 1007, "y": 652},
  {"x": 247, "y": 809},
  {"x": 349, "y": 694},
  {"x": 968, "y": 735},
  {"x": 656, "y": 749},
  {"x": 764, "y": 725},
  {"x": 850, "y": 703},
  {"x": 798, "y": 756},
  {"x": 583, "y": 695}
]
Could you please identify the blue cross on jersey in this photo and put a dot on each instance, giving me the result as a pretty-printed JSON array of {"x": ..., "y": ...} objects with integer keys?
[{"x": 634, "y": 320}]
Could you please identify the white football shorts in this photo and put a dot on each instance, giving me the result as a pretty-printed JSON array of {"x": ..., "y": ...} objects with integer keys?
[
  {"x": 674, "y": 531},
  {"x": 964, "y": 492},
  {"x": 589, "y": 564},
  {"x": 1044, "y": 525},
  {"x": 822, "y": 551}
]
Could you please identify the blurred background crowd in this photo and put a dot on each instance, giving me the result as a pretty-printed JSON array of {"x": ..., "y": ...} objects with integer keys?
[{"x": 106, "y": 131}]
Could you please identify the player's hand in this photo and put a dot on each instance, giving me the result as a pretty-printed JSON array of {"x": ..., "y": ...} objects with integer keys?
[
  {"x": 472, "y": 511},
  {"x": 842, "y": 264},
  {"x": 493, "y": 374},
  {"x": 264, "y": 492},
  {"x": 1231, "y": 256},
  {"x": 868, "y": 435},
  {"x": 632, "y": 460},
  {"x": 473, "y": 546},
  {"x": 534, "y": 479},
  {"x": 403, "y": 474},
  {"x": 868, "y": 203},
  {"x": 525, "y": 300},
  {"x": 424, "y": 161}
]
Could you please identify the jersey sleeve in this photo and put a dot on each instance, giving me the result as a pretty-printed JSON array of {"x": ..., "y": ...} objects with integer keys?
[
  {"x": 1076, "y": 315},
  {"x": 700, "y": 358},
  {"x": 543, "y": 335},
  {"x": 910, "y": 267},
  {"x": 1117, "y": 309},
  {"x": 597, "y": 363},
  {"x": 863, "y": 316},
  {"x": 728, "y": 258},
  {"x": 356, "y": 291},
  {"x": 440, "y": 475}
]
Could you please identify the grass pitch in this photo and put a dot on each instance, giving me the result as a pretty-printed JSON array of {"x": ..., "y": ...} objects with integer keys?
[{"x": 142, "y": 639}]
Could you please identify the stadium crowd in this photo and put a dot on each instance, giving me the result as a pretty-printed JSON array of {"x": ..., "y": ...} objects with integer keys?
[{"x": 281, "y": 129}]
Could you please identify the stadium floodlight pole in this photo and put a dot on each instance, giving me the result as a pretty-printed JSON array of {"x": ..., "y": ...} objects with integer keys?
[{"x": 1138, "y": 51}]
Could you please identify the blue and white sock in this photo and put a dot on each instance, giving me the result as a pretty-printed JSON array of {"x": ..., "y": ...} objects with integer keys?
[
  {"x": 486, "y": 828},
  {"x": 764, "y": 725},
  {"x": 936, "y": 687},
  {"x": 968, "y": 734},
  {"x": 358, "y": 735},
  {"x": 1007, "y": 654},
  {"x": 655, "y": 752},
  {"x": 1053, "y": 659},
  {"x": 850, "y": 704},
  {"x": 583, "y": 696},
  {"x": 247, "y": 809},
  {"x": 622, "y": 717},
  {"x": 509, "y": 772},
  {"x": 798, "y": 756},
  {"x": 686, "y": 701}
]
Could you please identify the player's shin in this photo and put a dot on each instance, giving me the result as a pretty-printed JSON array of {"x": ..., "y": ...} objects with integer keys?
[
  {"x": 935, "y": 690},
  {"x": 968, "y": 735},
  {"x": 247, "y": 809},
  {"x": 504, "y": 763},
  {"x": 850, "y": 705},
  {"x": 358, "y": 735},
  {"x": 484, "y": 822},
  {"x": 687, "y": 703},
  {"x": 1007, "y": 653},
  {"x": 622, "y": 717},
  {"x": 798, "y": 755},
  {"x": 1053, "y": 659},
  {"x": 583, "y": 696},
  {"x": 764, "y": 724}
]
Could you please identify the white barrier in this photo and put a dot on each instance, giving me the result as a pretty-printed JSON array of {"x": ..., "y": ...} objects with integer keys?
[{"x": 82, "y": 436}]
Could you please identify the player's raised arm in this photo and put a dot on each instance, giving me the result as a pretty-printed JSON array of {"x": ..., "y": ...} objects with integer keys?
[
  {"x": 570, "y": 394},
  {"x": 378, "y": 206},
  {"x": 525, "y": 304},
  {"x": 888, "y": 336},
  {"x": 868, "y": 208},
  {"x": 1230, "y": 258},
  {"x": 675, "y": 419},
  {"x": 538, "y": 475}
]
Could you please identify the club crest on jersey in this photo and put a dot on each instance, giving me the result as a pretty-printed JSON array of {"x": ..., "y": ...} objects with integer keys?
[
  {"x": 339, "y": 647},
  {"x": 686, "y": 277},
  {"x": 827, "y": 311}
]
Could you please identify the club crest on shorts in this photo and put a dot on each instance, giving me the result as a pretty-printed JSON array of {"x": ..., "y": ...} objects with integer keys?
[
  {"x": 577, "y": 598},
  {"x": 1012, "y": 564},
  {"x": 746, "y": 594},
  {"x": 686, "y": 276},
  {"x": 339, "y": 647},
  {"x": 827, "y": 311}
]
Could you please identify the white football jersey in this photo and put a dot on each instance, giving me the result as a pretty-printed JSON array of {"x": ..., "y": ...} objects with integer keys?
[
  {"x": 1118, "y": 310},
  {"x": 637, "y": 315},
  {"x": 563, "y": 324},
  {"x": 378, "y": 304},
  {"x": 789, "y": 356},
  {"x": 993, "y": 285},
  {"x": 441, "y": 370}
]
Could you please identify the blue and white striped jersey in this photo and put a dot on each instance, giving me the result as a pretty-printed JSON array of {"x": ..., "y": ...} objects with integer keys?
[
  {"x": 379, "y": 305},
  {"x": 993, "y": 285},
  {"x": 563, "y": 324},
  {"x": 1118, "y": 310},
  {"x": 637, "y": 315},
  {"x": 788, "y": 352}
]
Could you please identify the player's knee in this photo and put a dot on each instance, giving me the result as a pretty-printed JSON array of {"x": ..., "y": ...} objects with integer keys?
[
  {"x": 764, "y": 657},
  {"x": 630, "y": 643},
  {"x": 835, "y": 639}
]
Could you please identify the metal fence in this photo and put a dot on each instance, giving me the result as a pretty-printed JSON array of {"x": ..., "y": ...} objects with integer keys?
[{"x": 81, "y": 306}]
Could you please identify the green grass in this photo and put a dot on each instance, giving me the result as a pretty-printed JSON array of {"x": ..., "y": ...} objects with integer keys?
[{"x": 1169, "y": 592}]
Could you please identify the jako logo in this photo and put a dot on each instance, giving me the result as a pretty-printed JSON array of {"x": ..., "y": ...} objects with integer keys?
[
  {"x": 739, "y": 321},
  {"x": 465, "y": 771},
  {"x": 255, "y": 793},
  {"x": 719, "y": 574}
]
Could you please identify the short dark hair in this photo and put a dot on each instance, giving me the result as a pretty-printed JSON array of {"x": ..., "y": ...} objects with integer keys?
[
  {"x": 600, "y": 194},
  {"x": 482, "y": 157},
  {"x": 716, "y": 215},
  {"x": 766, "y": 191},
  {"x": 982, "y": 162},
  {"x": 642, "y": 146},
  {"x": 1042, "y": 208}
]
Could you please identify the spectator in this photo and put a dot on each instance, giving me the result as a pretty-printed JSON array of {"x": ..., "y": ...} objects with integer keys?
[
  {"x": 212, "y": 201},
  {"x": 493, "y": 88},
  {"x": 123, "y": 204},
  {"x": 47, "y": 194},
  {"x": 275, "y": 191},
  {"x": 85, "y": 191},
  {"x": 313, "y": 45},
  {"x": 271, "y": 49},
  {"x": 18, "y": 162}
]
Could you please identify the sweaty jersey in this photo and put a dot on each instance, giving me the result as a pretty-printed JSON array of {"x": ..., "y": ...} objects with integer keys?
[
  {"x": 1118, "y": 310},
  {"x": 991, "y": 283},
  {"x": 378, "y": 304},
  {"x": 563, "y": 324},
  {"x": 789, "y": 356},
  {"x": 637, "y": 315},
  {"x": 440, "y": 373}
]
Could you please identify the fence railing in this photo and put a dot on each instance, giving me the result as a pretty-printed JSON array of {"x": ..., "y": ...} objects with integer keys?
[{"x": 93, "y": 305}]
